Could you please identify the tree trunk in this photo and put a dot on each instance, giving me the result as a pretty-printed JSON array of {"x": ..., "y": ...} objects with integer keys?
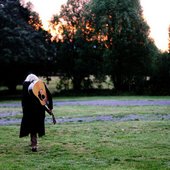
[{"x": 77, "y": 83}]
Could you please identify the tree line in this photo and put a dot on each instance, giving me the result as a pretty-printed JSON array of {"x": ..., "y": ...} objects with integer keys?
[{"x": 99, "y": 38}]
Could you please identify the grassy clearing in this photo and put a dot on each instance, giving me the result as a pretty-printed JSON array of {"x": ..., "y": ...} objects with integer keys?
[
  {"x": 113, "y": 98},
  {"x": 131, "y": 145},
  {"x": 90, "y": 146},
  {"x": 81, "y": 111}
]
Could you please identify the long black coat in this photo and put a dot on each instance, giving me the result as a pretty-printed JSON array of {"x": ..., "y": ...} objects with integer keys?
[{"x": 33, "y": 113}]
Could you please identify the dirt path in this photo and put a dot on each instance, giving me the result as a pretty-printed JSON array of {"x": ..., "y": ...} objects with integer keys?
[
  {"x": 130, "y": 117},
  {"x": 115, "y": 102},
  {"x": 100, "y": 103}
]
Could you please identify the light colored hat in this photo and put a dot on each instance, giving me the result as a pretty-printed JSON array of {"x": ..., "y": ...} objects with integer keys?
[{"x": 31, "y": 78}]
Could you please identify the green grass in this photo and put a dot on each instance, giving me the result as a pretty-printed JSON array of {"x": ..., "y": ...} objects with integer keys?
[
  {"x": 131, "y": 145},
  {"x": 113, "y": 98},
  {"x": 86, "y": 146},
  {"x": 81, "y": 111}
]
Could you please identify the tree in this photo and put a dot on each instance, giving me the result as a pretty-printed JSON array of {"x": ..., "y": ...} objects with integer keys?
[
  {"x": 23, "y": 49},
  {"x": 120, "y": 27},
  {"x": 169, "y": 40},
  {"x": 79, "y": 56},
  {"x": 160, "y": 80}
]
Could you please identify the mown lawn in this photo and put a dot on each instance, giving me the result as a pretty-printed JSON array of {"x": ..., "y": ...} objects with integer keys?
[
  {"x": 98, "y": 145},
  {"x": 85, "y": 146}
]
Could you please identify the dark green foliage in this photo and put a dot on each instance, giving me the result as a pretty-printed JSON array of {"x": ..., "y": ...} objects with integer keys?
[
  {"x": 128, "y": 53},
  {"x": 79, "y": 58},
  {"x": 101, "y": 37},
  {"x": 23, "y": 49},
  {"x": 160, "y": 81}
]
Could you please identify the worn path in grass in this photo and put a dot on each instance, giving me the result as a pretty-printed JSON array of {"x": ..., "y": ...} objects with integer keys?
[
  {"x": 113, "y": 103},
  {"x": 101, "y": 103}
]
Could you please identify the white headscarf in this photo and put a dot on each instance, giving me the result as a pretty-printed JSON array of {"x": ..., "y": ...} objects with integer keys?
[{"x": 31, "y": 78}]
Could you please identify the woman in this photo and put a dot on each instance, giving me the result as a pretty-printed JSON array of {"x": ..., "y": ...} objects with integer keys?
[{"x": 33, "y": 113}]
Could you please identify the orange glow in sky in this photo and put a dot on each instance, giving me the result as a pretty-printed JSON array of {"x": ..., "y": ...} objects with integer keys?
[
  {"x": 156, "y": 13},
  {"x": 46, "y": 9}
]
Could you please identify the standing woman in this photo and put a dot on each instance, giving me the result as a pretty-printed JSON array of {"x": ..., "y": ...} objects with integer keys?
[{"x": 33, "y": 120}]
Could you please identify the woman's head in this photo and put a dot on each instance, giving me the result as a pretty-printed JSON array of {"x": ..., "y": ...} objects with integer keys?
[{"x": 31, "y": 78}]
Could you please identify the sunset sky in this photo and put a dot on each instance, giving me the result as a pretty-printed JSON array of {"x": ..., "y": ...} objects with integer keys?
[{"x": 156, "y": 13}]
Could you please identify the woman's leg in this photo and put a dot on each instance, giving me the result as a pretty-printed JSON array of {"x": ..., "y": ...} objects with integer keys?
[{"x": 34, "y": 142}]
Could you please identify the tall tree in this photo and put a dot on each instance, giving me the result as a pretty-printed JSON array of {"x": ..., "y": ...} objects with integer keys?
[
  {"x": 120, "y": 27},
  {"x": 160, "y": 80},
  {"x": 169, "y": 40},
  {"x": 22, "y": 47},
  {"x": 79, "y": 57}
]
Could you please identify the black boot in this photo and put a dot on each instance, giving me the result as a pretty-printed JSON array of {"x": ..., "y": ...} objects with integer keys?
[{"x": 34, "y": 149}]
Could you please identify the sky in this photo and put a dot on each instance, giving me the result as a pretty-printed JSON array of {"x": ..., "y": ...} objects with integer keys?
[{"x": 156, "y": 13}]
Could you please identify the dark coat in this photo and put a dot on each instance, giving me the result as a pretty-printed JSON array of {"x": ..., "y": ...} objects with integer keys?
[{"x": 33, "y": 113}]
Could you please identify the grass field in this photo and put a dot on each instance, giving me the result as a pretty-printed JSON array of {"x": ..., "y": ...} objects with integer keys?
[{"x": 98, "y": 145}]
